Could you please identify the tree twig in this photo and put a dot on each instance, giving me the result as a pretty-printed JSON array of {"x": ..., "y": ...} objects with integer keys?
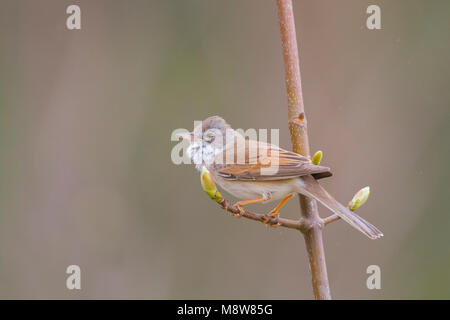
[
  {"x": 330, "y": 219},
  {"x": 300, "y": 142},
  {"x": 264, "y": 218}
]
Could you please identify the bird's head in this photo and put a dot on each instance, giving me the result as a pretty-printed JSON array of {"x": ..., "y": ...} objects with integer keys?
[{"x": 208, "y": 139}]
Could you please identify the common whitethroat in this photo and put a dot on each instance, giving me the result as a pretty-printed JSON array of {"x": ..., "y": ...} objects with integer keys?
[{"x": 255, "y": 171}]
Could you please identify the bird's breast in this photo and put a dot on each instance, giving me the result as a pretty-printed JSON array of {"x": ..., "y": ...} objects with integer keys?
[{"x": 246, "y": 190}]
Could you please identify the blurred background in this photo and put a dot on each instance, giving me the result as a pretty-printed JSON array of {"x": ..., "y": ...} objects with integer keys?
[{"x": 86, "y": 176}]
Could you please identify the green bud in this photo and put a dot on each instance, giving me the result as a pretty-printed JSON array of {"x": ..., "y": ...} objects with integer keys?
[
  {"x": 317, "y": 157},
  {"x": 209, "y": 186},
  {"x": 359, "y": 198}
]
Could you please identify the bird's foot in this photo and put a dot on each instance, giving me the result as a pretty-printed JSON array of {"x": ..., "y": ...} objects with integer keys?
[
  {"x": 269, "y": 217},
  {"x": 274, "y": 215},
  {"x": 241, "y": 211}
]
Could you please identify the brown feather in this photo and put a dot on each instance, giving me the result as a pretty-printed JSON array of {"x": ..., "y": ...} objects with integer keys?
[{"x": 252, "y": 160}]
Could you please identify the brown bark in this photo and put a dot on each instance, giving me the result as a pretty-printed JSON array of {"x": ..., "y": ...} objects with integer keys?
[
  {"x": 264, "y": 218},
  {"x": 300, "y": 143}
]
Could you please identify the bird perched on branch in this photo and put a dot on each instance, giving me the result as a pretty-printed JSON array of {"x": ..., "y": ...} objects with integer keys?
[{"x": 254, "y": 171}]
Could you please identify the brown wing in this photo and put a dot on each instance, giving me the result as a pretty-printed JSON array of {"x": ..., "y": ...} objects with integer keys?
[{"x": 264, "y": 161}]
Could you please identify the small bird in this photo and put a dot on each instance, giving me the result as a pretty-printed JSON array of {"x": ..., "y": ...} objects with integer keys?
[{"x": 255, "y": 171}]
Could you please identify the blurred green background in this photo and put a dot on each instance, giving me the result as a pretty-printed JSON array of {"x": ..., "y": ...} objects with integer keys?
[{"x": 86, "y": 176}]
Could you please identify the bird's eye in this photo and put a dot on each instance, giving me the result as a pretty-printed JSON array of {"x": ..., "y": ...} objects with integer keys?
[{"x": 209, "y": 136}]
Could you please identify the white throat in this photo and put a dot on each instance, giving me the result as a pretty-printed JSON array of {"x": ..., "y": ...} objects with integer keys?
[{"x": 202, "y": 154}]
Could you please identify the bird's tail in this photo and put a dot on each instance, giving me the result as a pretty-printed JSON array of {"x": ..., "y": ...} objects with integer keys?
[{"x": 308, "y": 186}]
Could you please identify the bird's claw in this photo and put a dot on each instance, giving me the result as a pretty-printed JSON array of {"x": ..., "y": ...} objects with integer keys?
[
  {"x": 241, "y": 211},
  {"x": 274, "y": 215},
  {"x": 271, "y": 215}
]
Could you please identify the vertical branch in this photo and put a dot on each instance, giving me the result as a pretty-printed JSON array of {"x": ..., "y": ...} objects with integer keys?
[{"x": 300, "y": 142}]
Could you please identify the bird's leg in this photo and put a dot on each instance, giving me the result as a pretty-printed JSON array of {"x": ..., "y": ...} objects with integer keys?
[
  {"x": 274, "y": 213},
  {"x": 239, "y": 204}
]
